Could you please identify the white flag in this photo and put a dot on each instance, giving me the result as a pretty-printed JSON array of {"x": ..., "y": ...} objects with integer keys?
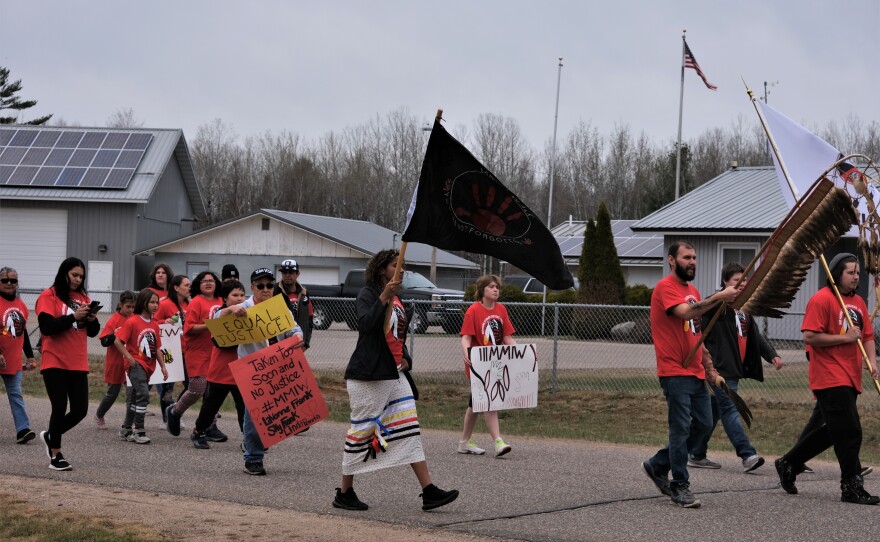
[{"x": 806, "y": 157}]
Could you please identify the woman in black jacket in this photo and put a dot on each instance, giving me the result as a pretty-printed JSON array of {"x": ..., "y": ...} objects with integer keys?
[{"x": 384, "y": 428}]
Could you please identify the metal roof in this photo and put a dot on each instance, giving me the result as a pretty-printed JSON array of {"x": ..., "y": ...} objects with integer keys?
[
  {"x": 632, "y": 247},
  {"x": 166, "y": 144},
  {"x": 359, "y": 235},
  {"x": 745, "y": 199}
]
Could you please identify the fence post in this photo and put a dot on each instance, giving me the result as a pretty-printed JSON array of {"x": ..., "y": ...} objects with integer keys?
[{"x": 553, "y": 379}]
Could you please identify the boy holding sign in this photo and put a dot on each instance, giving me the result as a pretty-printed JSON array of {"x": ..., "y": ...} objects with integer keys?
[{"x": 486, "y": 323}]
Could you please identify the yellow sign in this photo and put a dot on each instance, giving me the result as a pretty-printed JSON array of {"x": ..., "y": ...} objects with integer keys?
[{"x": 263, "y": 321}]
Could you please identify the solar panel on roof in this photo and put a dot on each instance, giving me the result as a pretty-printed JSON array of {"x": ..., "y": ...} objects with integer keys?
[{"x": 70, "y": 158}]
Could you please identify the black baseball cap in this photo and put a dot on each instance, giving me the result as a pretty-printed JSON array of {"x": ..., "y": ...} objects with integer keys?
[
  {"x": 262, "y": 273},
  {"x": 290, "y": 265},
  {"x": 229, "y": 272}
]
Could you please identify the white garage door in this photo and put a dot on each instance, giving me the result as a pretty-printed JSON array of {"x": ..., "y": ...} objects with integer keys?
[
  {"x": 34, "y": 242},
  {"x": 319, "y": 275}
]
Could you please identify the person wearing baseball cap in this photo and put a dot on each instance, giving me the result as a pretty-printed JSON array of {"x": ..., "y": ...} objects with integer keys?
[
  {"x": 300, "y": 302},
  {"x": 230, "y": 272},
  {"x": 263, "y": 288}
]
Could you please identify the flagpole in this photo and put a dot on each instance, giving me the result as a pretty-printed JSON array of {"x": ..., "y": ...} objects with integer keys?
[
  {"x": 680, "y": 110},
  {"x": 552, "y": 170},
  {"x": 794, "y": 193}
]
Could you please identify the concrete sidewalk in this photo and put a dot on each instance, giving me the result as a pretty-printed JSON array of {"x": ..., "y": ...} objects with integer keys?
[{"x": 547, "y": 490}]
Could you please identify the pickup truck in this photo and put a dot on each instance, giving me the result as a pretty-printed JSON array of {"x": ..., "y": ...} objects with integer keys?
[
  {"x": 528, "y": 284},
  {"x": 415, "y": 288}
]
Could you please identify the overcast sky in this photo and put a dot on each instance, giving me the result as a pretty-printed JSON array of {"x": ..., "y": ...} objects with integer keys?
[{"x": 315, "y": 66}]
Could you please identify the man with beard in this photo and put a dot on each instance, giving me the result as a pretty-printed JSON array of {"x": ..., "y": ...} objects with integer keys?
[
  {"x": 676, "y": 309},
  {"x": 300, "y": 302}
]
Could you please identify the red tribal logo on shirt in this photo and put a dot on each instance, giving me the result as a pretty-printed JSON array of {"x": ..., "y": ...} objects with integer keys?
[
  {"x": 13, "y": 322},
  {"x": 146, "y": 342},
  {"x": 492, "y": 330}
]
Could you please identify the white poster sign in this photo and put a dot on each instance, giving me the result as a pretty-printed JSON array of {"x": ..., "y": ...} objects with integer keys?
[
  {"x": 504, "y": 377},
  {"x": 170, "y": 335}
]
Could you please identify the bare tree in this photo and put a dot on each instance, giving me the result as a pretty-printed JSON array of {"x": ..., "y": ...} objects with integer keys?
[{"x": 124, "y": 117}]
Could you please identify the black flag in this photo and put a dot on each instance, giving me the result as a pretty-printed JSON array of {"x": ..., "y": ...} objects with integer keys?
[{"x": 459, "y": 205}]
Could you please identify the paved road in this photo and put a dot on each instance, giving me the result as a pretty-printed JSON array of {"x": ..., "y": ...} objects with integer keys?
[{"x": 545, "y": 490}]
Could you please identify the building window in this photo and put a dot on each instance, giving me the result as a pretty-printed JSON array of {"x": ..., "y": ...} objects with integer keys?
[
  {"x": 193, "y": 269},
  {"x": 265, "y": 224},
  {"x": 742, "y": 253}
]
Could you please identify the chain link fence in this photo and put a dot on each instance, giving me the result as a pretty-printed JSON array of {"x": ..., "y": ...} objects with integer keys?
[{"x": 586, "y": 348}]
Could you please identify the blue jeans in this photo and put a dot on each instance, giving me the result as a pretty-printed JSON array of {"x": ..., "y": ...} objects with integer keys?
[
  {"x": 16, "y": 401},
  {"x": 724, "y": 409},
  {"x": 253, "y": 446},
  {"x": 690, "y": 420}
]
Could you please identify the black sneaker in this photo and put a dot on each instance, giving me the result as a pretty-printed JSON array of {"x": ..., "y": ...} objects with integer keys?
[
  {"x": 214, "y": 434},
  {"x": 59, "y": 463},
  {"x": 255, "y": 468},
  {"x": 434, "y": 497},
  {"x": 44, "y": 436},
  {"x": 349, "y": 500},
  {"x": 659, "y": 481},
  {"x": 787, "y": 476},
  {"x": 199, "y": 441},
  {"x": 682, "y": 496},
  {"x": 803, "y": 469},
  {"x": 24, "y": 436},
  {"x": 172, "y": 422},
  {"x": 853, "y": 491}
]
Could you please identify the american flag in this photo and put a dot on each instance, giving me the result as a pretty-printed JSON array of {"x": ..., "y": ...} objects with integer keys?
[{"x": 691, "y": 62}]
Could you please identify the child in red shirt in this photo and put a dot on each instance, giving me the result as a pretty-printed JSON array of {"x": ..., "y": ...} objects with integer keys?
[
  {"x": 114, "y": 365},
  {"x": 139, "y": 341},
  {"x": 485, "y": 323}
]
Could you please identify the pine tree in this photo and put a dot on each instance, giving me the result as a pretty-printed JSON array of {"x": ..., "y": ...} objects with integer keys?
[
  {"x": 585, "y": 269},
  {"x": 9, "y": 100},
  {"x": 600, "y": 274}
]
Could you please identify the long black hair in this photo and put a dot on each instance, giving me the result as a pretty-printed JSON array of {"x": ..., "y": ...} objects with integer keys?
[
  {"x": 172, "y": 291},
  {"x": 62, "y": 282},
  {"x": 143, "y": 298}
]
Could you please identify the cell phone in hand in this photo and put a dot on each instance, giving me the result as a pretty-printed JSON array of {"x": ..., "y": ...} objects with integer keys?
[{"x": 95, "y": 306}]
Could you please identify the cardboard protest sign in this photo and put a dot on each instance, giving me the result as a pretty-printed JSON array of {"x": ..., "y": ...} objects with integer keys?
[
  {"x": 504, "y": 377},
  {"x": 170, "y": 335},
  {"x": 263, "y": 321},
  {"x": 279, "y": 390}
]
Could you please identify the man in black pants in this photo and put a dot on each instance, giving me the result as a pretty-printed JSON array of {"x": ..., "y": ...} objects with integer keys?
[{"x": 836, "y": 381}]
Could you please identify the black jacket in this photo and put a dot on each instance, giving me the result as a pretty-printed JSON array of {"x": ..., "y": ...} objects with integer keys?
[
  {"x": 302, "y": 310},
  {"x": 723, "y": 343},
  {"x": 372, "y": 359}
]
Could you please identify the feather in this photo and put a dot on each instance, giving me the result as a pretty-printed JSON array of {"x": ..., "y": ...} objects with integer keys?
[
  {"x": 821, "y": 217},
  {"x": 741, "y": 406}
]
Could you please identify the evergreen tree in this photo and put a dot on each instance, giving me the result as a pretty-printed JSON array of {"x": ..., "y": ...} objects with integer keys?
[
  {"x": 9, "y": 100},
  {"x": 600, "y": 274}
]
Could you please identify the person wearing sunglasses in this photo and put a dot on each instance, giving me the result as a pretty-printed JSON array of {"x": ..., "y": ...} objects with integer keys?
[
  {"x": 263, "y": 288},
  {"x": 13, "y": 341}
]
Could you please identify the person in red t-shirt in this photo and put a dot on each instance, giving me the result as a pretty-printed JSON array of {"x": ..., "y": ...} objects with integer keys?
[
  {"x": 836, "y": 380},
  {"x": 197, "y": 347},
  {"x": 160, "y": 278},
  {"x": 114, "y": 365},
  {"x": 172, "y": 310},
  {"x": 485, "y": 323},
  {"x": 676, "y": 309},
  {"x": 66, "y": 321},
  {"x": 140, "y": 343},
  {"x": 220, "y": 380},
  {"x": 14, "y": 341}
]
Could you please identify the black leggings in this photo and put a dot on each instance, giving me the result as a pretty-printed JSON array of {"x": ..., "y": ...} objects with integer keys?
[
  {"x": 63, "y": 386},
  {"x": 213, "y": 400}
]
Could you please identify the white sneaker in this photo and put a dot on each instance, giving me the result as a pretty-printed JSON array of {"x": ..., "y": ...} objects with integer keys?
[
  {"x": 752, "y": 462},
  {"x": 469, "y": 447},
  {"x": 501, "y": 447},
  {"x": 182, "y": 425},
  {"x": 162, "y": 425},
  {"x": 139, "y": 438}
]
